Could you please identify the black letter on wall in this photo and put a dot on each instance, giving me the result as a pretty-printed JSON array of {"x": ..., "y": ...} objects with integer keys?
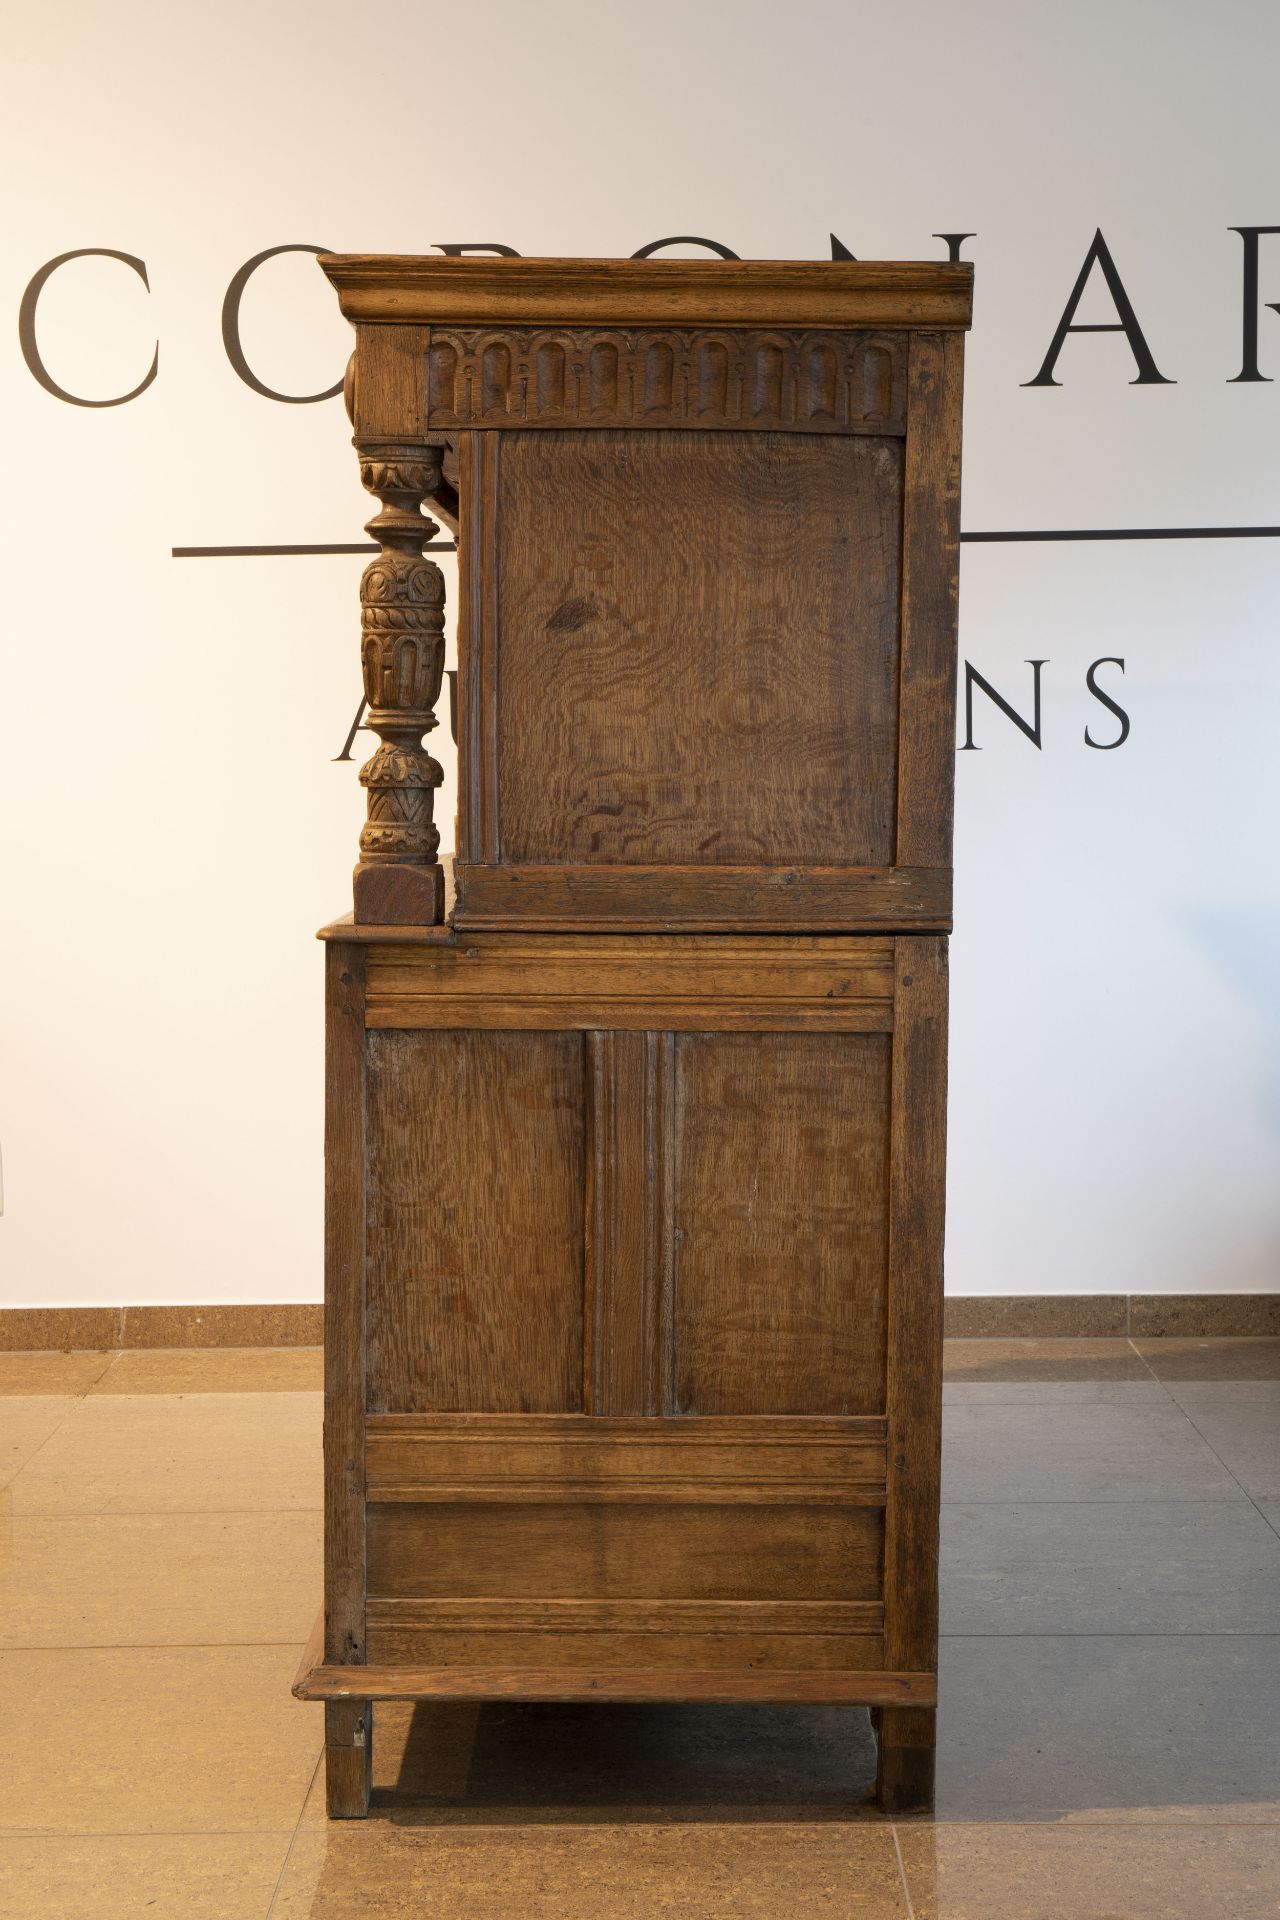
[
  {"x": 27, "y": 327},
  {"x": 1105, "y": 746},
  {"x": 231, "y": 331},
  {"x": 1148, "y": 372},
  {"x": 685, "y": 240},
  {"x": 1249, "y": 236},
  {"x": 456, "y": 248},
  {"x": 954, "y": 243},
  {"x": 973, "y": 678}
]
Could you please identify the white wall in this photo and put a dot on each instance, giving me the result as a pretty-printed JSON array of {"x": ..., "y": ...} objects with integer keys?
[{"x": 173, "y": 826}]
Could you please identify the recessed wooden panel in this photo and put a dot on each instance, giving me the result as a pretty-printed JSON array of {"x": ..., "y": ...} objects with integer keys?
[
  {"x": 781, "y": 1223},
  {"x": 762, "y": 1462},
  {"x": 617, "y": 1552},
  {"x": 696, "y": 647},
  {"x": 671, "y": 983},
  {"x": 785, "y": 1634},
  {"x": 696, "y": 899},
  {"x": 475, "y": 1227}
]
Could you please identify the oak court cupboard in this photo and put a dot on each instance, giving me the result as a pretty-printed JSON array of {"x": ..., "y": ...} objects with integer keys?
[{"x": 635, "y": 1119}]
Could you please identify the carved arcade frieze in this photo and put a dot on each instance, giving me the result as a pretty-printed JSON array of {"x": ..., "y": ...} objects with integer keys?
[{"x": 819, "y": 381}]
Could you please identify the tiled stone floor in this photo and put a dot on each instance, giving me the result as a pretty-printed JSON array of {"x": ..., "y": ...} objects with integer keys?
[{"x": 1109, "y": 1744}]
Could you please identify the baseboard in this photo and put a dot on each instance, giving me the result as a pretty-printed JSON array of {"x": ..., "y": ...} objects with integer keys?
[
  {"x": 104, "y": 1329},
  {"x": 1096, "y": 1316},
  {"x": 1202, "y": 1316}
]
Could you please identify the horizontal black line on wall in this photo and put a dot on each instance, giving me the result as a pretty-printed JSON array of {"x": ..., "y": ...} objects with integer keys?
[
  {"x": 971, "y": 539},
  {"x": 1127, "y": 533},
  {"x": 257, "y": 553}
]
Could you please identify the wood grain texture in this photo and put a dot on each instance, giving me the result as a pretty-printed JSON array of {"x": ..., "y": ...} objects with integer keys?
[
  {"x": 477, "y": 822},
  {"x": 544, "y": 1459},
  {"x": 717, "y": 380},
  {"x": 628, "y": 1215},
  {"x": 930, "y": 581},
  {"x": 803, "y": 1618},
  {"x": 620, "y": 1633},
  {"x": 614, "y": 984},
  {"x": 906, "y": 1761},
  {"x": 613, "y": 1551},
  {"x": 386, "y": 393},
  {"x": 703, "y": 899},
  {"x": 348, "y": 1745},
  {"x": 717, "y": 1685},
  {"x": 608, "y": 292},
  {"x": 475, "y": 1228},
  {"x": 562, "y": 1646},
  {"x": 730, "y": 661},
  {"x": 781, "y": 1223},
  {"x": 917, "y": 1186},
  {"x": 344, "y": 1305}
]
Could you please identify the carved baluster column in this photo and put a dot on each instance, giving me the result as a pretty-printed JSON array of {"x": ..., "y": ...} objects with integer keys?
[{"x": 399, "y": 880}]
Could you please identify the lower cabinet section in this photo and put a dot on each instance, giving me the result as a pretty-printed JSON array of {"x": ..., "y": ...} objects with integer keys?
[
  {"x": 634, "y": 1323},
  {"x": 607, "y": 1542}
]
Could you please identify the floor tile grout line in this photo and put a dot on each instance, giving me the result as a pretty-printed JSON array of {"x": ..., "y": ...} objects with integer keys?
[
  {"x": 1109, "y": 1633},
  {"x": 144, "y": 1833},
  {"x": 112, "y": 1362},
  {"x": 144, "y": 1513},
  {"x": 7, "y": 1486},
  {"x": 902, "y": 1871},
  {"x": 1195, "y": 1633},
  {"x": 1098, "y": 1500},
  {"x": 162, "y": 1646},
  {"x": 293, "y": 1837},
  {"x": 1147, "y": 1407},
  {"x": 1265, "y": 1518},
  {"x": 1188, "y": 1822},
  {"x": 1270, "y": 1522},
  {"x": 1116, "y": 1500},
  {"x": 1139, "y": 1355}
]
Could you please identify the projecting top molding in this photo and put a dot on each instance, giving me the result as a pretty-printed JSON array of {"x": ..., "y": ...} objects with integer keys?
[{"x": 440, "y": 291}]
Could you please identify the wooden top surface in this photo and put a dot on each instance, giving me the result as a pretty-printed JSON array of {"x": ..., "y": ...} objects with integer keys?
[{"x": 487, "y": 291}]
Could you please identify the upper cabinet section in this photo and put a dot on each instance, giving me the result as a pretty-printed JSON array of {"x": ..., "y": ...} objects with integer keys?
[{"x": 707, "y": 518}]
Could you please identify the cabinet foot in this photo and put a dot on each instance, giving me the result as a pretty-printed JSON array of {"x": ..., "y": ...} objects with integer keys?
[
  {"x": 348, "y": 1757},
  {"x": 905, "y": 1775}
]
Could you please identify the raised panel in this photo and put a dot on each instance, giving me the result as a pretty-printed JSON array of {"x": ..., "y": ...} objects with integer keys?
[
  {"x": 777, "y": 1634},
  {"x": 420, "y": 1458},
  {"x": 608, "y": 982},
  {"x": 615, "y": 1551},
  {"x": 781, "y": 1223},
  {"x": 475, "y": 1221},
  {"x": 686, "y": 645}
]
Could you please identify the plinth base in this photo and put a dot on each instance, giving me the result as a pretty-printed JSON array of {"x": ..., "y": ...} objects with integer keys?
[{"x": 399, "y": 896}]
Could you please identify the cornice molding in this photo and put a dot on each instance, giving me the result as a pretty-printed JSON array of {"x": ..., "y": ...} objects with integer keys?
[{"x": 477, "y": 291}]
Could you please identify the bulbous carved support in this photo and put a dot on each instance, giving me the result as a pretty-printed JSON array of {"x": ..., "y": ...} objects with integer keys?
[{"x": 398, "y": 881}]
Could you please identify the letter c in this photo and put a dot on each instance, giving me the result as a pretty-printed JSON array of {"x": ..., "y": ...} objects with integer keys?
[{"x": 27, "y": 326}]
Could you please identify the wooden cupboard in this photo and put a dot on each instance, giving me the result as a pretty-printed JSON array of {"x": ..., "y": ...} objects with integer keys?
[{"x": 636, "y": 1120}]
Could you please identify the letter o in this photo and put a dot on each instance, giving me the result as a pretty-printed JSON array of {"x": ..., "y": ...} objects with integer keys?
[{"x": 231, "y": 331}]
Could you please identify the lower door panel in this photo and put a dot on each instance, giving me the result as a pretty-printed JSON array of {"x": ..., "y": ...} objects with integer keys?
[{"x": 653, "y": 1291}]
